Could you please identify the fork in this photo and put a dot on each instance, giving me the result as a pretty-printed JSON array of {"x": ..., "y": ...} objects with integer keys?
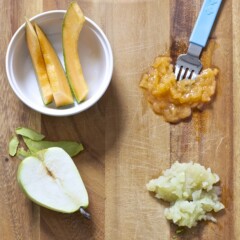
[{"x": 188, "y": 65}]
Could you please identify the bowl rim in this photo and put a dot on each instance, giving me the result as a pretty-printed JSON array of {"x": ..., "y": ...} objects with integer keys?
[{"x": 80, "y": 106}]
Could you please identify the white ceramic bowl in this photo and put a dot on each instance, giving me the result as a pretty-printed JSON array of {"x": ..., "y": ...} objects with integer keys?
[{"x": 96, "y": 59}]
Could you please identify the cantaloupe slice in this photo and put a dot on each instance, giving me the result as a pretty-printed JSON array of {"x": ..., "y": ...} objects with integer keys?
[
  {"x": 38, "y": 63},
  {"x": 61, "y": 91},
  {"x": 72, "y": 25}
]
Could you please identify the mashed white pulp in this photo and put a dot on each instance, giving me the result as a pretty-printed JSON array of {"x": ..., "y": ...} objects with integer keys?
[{"x": 189, "y": 189}]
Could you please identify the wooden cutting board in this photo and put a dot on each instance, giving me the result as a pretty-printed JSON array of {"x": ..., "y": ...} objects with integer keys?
[{"x": 126, "y": 143}]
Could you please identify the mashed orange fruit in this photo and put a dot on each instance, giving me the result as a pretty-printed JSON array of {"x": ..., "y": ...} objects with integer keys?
[{"x": 175, "y": 100}]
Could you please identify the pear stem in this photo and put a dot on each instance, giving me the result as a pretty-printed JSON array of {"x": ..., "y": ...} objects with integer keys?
[{"x": 84, "y": 213}]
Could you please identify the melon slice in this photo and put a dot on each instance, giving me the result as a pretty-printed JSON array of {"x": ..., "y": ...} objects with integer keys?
[
  {"x": 72, "y": 26},
  {"x": 38, "y": 63},
  {"x": 61, "y": 91}
]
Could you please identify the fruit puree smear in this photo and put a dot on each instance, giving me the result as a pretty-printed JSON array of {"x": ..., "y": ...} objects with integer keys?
[{"x": 175, "y": 100}]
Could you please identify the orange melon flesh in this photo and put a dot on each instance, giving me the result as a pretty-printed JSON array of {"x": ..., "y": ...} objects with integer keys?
[
  {"x": 72, "y": 26},
  {"x": 38, "y": 63},
  {"x": 61, "y": 91}
]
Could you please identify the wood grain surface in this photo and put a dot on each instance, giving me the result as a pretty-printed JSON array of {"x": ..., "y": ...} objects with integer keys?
[{"x": 126, "y": 144}]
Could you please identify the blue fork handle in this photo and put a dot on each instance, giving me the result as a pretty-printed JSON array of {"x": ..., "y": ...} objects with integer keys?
[{"x": 205, "y": 22}]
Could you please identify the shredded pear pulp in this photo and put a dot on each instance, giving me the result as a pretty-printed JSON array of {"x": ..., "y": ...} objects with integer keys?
[{"x": 190, "y": 190}]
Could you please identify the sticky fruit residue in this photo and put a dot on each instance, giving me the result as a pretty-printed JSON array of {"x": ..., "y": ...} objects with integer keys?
[{"x": 173, "y": 99}]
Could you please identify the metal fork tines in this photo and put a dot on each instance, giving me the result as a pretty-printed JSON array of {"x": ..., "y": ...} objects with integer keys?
[{"x": 188, "y": 65}]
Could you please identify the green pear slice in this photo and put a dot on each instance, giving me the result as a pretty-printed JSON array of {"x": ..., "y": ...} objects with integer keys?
[{"x": 52, "y": 180}]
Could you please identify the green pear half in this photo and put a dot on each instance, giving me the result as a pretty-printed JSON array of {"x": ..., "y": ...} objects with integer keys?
[{"x": 52, "y": 180}]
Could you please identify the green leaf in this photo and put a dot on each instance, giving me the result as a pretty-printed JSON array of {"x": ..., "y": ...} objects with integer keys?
[
  {"x": 13, "y": 145},
  {"x": 22, "y": 153},
  {"x": 72, "y": 148},
  {"x": 29, "y": 133}
]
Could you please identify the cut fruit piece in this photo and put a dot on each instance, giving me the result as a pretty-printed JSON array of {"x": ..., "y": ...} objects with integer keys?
[
  {"x": 72, "y": 148},
  {"x": 22, "y": 153},
  {"x": 29, "y": 133},
  {"x": 52, "y": 180},
  {"x": 38, "y": 63},
  {"x": 13, "y": 146},
  {"x": 72, "y": 26},
  {"x": 61, "y": 91}
]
